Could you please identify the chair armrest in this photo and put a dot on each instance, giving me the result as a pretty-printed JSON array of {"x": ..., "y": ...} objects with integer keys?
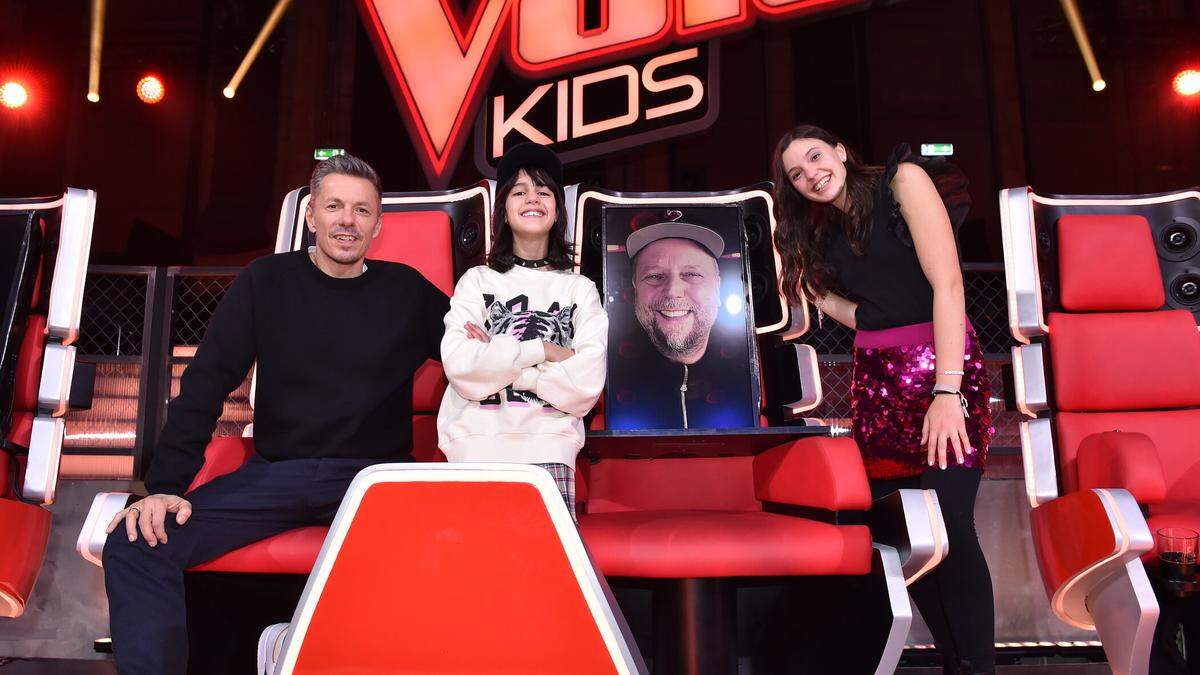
[
  {"x": 45, "y": 455},
  {"x": 822, "y": 472},
  {"x": 223, "y": 455},
  {"x": 910, "y": 521},
  {"x": 270, "y": 644},
  {"x": 92, "y": 536},
  {"x": 1124, "y": 460},
  {"x": 1081, "y": 539},
  {"x": 810, "y": 381}
]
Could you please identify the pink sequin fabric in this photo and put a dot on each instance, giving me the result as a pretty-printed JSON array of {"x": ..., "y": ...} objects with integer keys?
[{"x": 894, "y": 374}]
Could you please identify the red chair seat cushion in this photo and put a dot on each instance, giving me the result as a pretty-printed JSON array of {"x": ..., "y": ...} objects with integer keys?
[
  {"x": 697, "y": 544},
  {"x": 291, "y": 552},
  {"x": 26, "y": 529}
]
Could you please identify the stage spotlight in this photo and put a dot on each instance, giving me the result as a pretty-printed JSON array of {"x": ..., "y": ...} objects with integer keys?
[
  {"x": 1085, "y": 45},
  {"x": 272, "y": 21},
  {"x": 13, "y": 95},
  {"x": 97, "y": 46},
  {"x": 150, "y": 89},
  {"x": 1187, "y": 82}
]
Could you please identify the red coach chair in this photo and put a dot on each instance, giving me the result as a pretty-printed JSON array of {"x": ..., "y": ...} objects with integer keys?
[
  {"x": 44, "y": 246},
  {"x": 1104, "y": 295},
  {"x": 440, "y": 234},
  {"x": 478, "y": 567},
  {"x": 699, "y": 526}
]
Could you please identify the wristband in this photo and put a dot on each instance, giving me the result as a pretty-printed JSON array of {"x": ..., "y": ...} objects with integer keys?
[{"x": 962, "y": 400}]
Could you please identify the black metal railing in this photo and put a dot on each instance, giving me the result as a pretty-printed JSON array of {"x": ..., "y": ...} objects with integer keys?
[{"x": 115, "y": 327}]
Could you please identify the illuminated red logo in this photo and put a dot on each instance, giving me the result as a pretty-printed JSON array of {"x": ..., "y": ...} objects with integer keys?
[{"x": 438, "y": 59}]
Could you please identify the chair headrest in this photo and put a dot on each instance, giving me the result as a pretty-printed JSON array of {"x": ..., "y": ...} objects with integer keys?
[
  {"x": 1091, "y": 251},
  {"x": 420, "y": 239}
]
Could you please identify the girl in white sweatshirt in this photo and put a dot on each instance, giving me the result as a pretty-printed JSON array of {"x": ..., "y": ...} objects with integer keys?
[{"x": 526, "y": 339}]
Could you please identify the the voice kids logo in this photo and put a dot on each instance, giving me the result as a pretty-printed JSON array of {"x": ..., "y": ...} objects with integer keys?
[{"x": 440, "y": 62}]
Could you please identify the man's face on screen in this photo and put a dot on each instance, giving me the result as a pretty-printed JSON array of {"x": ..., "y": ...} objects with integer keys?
[
  {"x": 344, "y": 214},
  {"x": 676, "y": 295}
]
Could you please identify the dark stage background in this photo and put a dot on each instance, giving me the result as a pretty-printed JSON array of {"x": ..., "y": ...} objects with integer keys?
[{"x": 198, "y": 179}]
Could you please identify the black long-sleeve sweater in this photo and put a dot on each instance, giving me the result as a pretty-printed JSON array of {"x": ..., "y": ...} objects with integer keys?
[{"x": 335, "y": 360}]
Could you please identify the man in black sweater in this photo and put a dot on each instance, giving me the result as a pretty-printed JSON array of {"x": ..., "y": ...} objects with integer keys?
[{"x": 336, "y": 340}]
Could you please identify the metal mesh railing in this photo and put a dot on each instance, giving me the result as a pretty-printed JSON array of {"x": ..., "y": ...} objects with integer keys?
[
  {"x": 112, "y": 334},
  {"x": 987, "y": 307},
  {"x": 195, "y": 295},
  {"x": 113, "y": 318},
  {"x": 194, "y": 300}
]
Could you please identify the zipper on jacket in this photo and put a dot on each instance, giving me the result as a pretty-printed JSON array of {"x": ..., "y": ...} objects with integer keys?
[{"x": 683, "y": 396}]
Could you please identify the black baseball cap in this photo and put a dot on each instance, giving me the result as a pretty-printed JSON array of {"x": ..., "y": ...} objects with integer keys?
[{"x": 529, "y": 154}]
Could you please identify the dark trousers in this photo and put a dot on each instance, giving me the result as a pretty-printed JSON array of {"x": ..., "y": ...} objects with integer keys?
[
  {"x": 955, "y": 599},
  {"x": 145, "y": 587}
]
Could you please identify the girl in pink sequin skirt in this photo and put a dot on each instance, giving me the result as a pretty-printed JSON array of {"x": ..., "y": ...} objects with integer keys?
[{"x": 874, "y": 248}]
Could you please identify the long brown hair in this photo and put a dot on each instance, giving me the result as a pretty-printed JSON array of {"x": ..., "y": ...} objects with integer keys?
[
  {"x": 803, "y": 227},
  {"x": 501, "y": 257}
]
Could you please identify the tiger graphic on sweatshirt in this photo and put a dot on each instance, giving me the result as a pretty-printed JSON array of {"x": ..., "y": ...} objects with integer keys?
[{"x": 513, "y": 317}]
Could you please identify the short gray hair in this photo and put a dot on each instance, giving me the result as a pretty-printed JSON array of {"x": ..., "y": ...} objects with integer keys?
[{"x": 347, "y": 165}]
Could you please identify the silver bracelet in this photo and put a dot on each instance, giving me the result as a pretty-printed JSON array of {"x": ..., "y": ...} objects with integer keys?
[{"x": 954, "y": 372}]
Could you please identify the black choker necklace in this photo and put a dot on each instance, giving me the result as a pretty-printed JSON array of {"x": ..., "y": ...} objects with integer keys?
[{"x": 531, "y": 264}]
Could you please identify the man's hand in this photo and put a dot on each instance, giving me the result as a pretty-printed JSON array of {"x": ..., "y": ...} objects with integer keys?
[
  {"x": 149, "y": 515},
  {"x": 476, "y": 333},
  {"x": 555, "y": 353}
]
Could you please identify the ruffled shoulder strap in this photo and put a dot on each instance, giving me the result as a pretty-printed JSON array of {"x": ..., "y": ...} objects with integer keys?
[{"x": 950, "y": 181}]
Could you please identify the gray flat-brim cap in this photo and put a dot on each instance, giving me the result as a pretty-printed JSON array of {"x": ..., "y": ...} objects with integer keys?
[{"x": 709, "y": 240}]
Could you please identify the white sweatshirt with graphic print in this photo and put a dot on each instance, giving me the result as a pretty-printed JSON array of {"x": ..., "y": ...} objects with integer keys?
[{"x": 506, "y": 402}]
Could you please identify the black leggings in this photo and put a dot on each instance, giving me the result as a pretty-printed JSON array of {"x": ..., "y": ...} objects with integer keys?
[{"x": 955, "y": 599}]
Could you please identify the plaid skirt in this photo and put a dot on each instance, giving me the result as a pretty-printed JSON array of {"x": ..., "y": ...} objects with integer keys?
[{"x": 564, "y": 478}]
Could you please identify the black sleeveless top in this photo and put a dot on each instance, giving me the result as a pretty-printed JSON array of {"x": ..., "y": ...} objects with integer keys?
[{"x": 887, "y": 281}]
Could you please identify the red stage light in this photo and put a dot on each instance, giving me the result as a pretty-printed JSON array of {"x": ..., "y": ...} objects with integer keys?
[
  {"x": 13, "y": 95},
  {"x": 151, "y": 89},
  {"x": 1187, "y": 82}
]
